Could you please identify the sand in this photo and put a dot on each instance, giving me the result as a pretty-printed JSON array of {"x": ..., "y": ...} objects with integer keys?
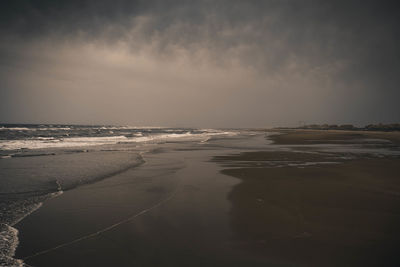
[{"x": 342, "y": 214}]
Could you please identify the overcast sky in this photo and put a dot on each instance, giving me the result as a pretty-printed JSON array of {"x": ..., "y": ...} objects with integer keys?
[{"x": 199, "y": 63}]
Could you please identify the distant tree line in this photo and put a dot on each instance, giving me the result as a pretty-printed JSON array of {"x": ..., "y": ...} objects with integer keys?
[{"x": 369, "y": 127}]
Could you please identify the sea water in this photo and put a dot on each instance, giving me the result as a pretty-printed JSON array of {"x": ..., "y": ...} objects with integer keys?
[{"x": 38, "y": 162}]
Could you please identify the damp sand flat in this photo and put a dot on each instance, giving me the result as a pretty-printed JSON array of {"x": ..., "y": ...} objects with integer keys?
[{"x": 344, "y": 214}]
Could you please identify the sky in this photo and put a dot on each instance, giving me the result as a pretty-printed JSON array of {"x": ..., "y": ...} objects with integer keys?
[{"x": 215, "y": 63}]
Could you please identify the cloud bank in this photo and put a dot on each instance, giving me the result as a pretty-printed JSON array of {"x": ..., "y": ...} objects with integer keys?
[{"x": 202, "y": 64}]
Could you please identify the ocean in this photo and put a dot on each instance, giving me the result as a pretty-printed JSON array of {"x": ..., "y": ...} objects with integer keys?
[{"x": 39, "y": 162}]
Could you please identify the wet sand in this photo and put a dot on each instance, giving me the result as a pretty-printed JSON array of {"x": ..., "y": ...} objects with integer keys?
[
  {"x": 170, "y": 211},
  {"x": 315, "y": 214}
]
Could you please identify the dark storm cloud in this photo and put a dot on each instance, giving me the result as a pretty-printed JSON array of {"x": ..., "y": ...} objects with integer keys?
[
  {"x": 343, "y": 52},
  {"x": 316, "y": 30}
]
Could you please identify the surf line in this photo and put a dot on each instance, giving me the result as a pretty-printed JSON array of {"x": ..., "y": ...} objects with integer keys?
[{"x": 105, "y": 229}]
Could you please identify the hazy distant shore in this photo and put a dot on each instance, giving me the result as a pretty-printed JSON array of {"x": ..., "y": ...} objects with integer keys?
[
  {"x": 324, "y": 136},
  {"x": 380, "y": 127},
  {"x": 307, "y": 206}
]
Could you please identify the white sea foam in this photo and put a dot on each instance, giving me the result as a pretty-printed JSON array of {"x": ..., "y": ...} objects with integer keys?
[
  {"x": 8, "y": 244},
  {"x": 39, "y": 143},
  {"x": 304, "y": 164},
  {"x": 129, "y": 127},
  {"x": 53, "y": 129},
  {"x": 9, "y": 235},
  {"x": 188, "y": 136},
  {"x": 12, "y": 214},
  {"x": 15, "y": 129},
  {"x": 51, "y": 142}
]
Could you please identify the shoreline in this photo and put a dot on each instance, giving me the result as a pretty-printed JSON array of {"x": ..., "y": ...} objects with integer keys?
[
  {"x": 18, "y": 205},
  {"x": 171, "y": 211}
]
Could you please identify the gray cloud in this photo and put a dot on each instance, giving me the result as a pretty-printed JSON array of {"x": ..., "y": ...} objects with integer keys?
[{"x": 203, "y": 63}]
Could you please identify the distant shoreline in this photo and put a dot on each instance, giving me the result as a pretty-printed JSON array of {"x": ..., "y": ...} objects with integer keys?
[
  {"x": 310, "y": 136},
  {"x": 348, "y": 127}
]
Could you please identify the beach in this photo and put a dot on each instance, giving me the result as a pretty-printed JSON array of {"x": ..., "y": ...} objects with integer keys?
[
  {"x": 256, "y": 198},
  {"x": 199, "y": 133}
]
